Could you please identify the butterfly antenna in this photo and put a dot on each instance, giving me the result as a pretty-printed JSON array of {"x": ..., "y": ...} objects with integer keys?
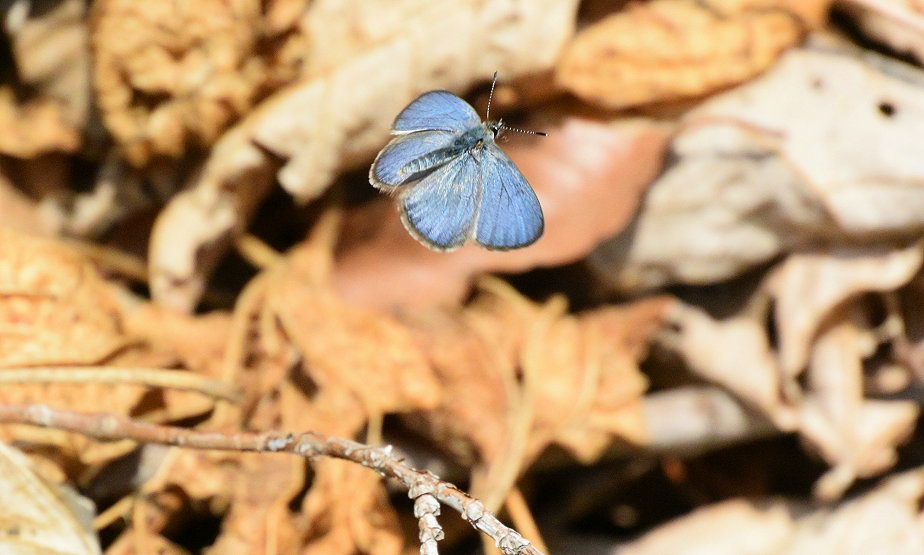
[
  {"x": 490, "y": 96},
  {"x": 527, "y": 131}
]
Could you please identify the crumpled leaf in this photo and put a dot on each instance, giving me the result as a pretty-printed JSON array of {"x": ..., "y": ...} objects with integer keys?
[
  {"x": 180, "y": 77},
  {"x": 34, "y": 127},
  {"x": 56, "y": 310},
  {"x": 54, "y": 306},
  {"x": 886, "y": 519},
  {"x": 589, "y": 177},
  {"x": 765, "y": 168},
  {"x": 52, "y": 55},
  {"x": 40, "y": 517},
  {"x": 580, "y": 386},
  {"x": 344, "y": 113},
  {"x": 359, "y": 521},
  {"x": 51, "y": 101},
  {"x": 363, "y": 353},
  {"x": 857, "y": 436},
  {"x": 807, "y": 286},
  {"x": 670, "y": 49},
  {"x": 261, "y": 489},
  {"x": 717, "y": 350}
]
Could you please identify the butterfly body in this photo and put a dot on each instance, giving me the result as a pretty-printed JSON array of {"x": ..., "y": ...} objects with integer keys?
[{"x": 454, "y": 184}]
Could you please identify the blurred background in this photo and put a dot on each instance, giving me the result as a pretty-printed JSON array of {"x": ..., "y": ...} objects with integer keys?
[{"x": 716, "y": 347}]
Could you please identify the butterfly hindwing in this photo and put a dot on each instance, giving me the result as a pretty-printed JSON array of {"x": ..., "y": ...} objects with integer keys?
[
  {"x": 440, "y": 210},
  {"x": 509, "y": 215},
  {"x": 436, "y": 110}
]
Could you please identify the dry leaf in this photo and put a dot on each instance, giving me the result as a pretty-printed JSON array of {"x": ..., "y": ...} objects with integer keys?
[
  {"x": 51, "y": 104},
  {"x": 772, "y": 165},
  {"x": 56, "y": 310},
  {"x": 884, "y": 520},
  {"x": 169, "y": 78},
  {"x": 734, "y": 526},
  {"x": 199, "y": 342},
  {"x": 858, "y": 437},
  {"x": 357, "y": 351},
  {"x": 38, "y": 516},
  {"x": 52, "y": 55},
  {"x": 358, "y": 520},
  {"x": 717, "y": 350},
  {"x": 887, "y": 519},
  {"x": 589, "y": 178},
  {"x": 808, "y": 286},
  {"x": 34, "y": 127},
  {"x": 262, "y": 488},
  {"x": 580, "y": 384},
  {"x": 336, "y": 118},
  {"x": 692, "y": 420},
  {"x": 896, "y": 23},
  {"x": 585, "y": 380},
  {"x": 54, "y": 306},
  {"x": 670, "y": 49}
]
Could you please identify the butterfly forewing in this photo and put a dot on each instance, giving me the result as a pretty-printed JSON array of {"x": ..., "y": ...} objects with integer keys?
[
  {"x": 410, "y": 157},
  {"x": 440, "y": 210},
  {"x": 436, "y": 110},
  {"x": 509, "y": 214}
]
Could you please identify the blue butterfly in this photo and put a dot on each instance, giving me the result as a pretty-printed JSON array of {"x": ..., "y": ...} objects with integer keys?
[{"x": 454, "y": 184}]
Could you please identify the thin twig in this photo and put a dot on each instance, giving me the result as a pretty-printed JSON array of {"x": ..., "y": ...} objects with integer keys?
[
  {"x": 308, "y": 444},
  {"x": 152, "y": 377}
]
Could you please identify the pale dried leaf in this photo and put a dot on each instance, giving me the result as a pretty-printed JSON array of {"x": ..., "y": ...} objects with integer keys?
[
  {"x": 802, "y": 102},
  {"x": 37, "y": 516},
  {"x": 735, "y": 353},
  {"x": 858, "y": 437},
  {"x": 52, "y": 56},
  {"x": 896, "y": 23},
  {"x": 807, "y": 286},
  {"x": 770, "y": 166},
  {"x": 884, "y": 520},
  {"x": 344, "y": 115},
  {"x": 692, "y": 420},
  {"x": 670, "y": 49},
  {"x": 734, "y": 526}
]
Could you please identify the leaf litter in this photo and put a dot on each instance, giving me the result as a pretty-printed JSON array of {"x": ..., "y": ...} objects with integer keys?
[{"x": 730, "y": 276}]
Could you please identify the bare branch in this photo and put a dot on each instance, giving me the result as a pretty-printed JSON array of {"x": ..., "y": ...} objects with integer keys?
[
  {"x": 309, "y": 444},
  {"x": 151, "y": 377}
]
